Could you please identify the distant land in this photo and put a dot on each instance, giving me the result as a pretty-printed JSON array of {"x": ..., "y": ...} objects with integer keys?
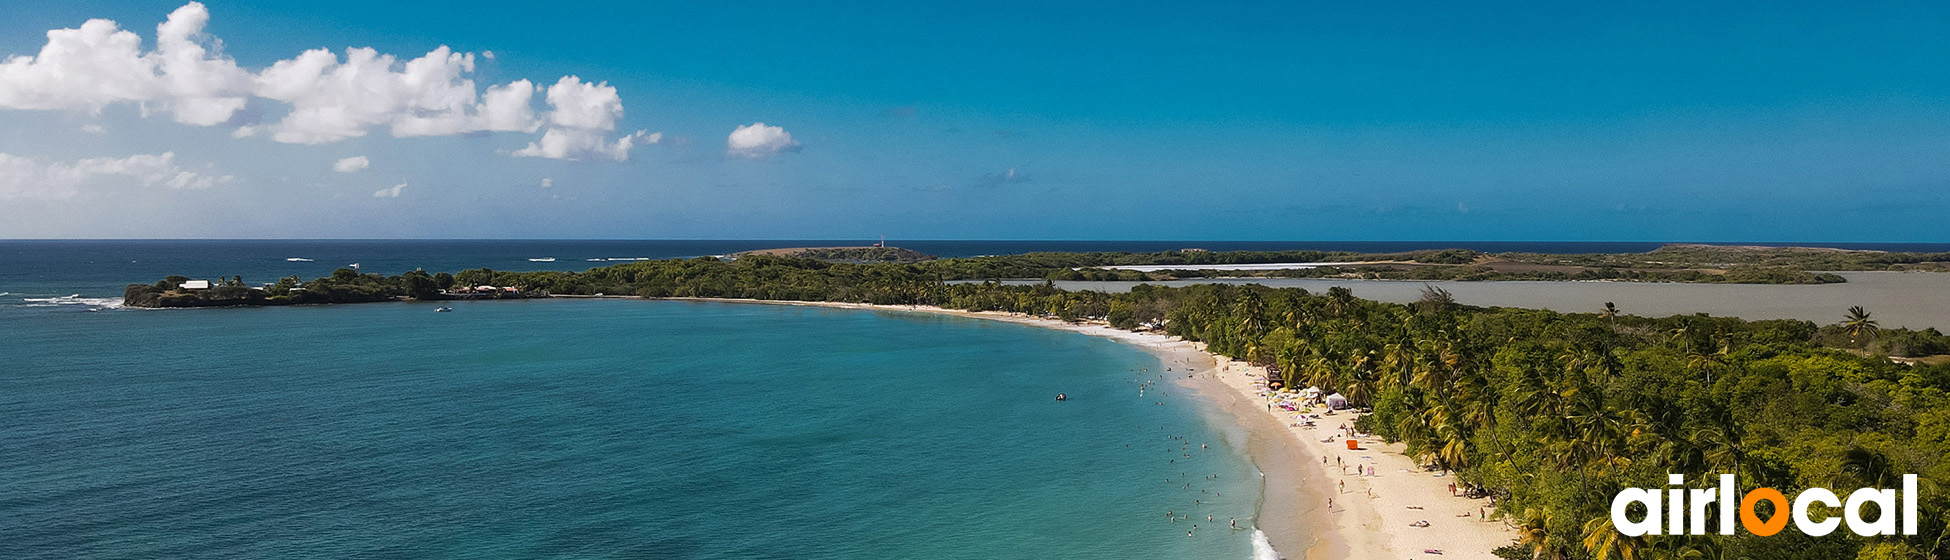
[
  {"x": 869, "y": 254},
  {"x": 668, "y": 278}
]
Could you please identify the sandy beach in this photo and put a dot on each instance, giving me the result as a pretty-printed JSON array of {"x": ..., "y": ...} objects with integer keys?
[{"x": 1372, "y": 516}]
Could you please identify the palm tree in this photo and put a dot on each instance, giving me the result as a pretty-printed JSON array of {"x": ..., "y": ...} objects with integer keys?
[
  {"x": 1605, "y": 542},
  {"x": 1340, "y": 300},
  {"x": 1435, "y": 300},
  {"x": 1611, "y": 313},
  {"x": 1722, "y": 446},
  {"x": 1535, "y": 534},
  {"x": 1858, "y": 325},
  {"x": 1397, "y": 358},
  {"x": 1705, "y": 362},
  {"x": 1320, "y": 373}
]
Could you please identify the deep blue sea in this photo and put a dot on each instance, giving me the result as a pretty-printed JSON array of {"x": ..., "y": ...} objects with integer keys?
[{"x": 575, "y": 428}]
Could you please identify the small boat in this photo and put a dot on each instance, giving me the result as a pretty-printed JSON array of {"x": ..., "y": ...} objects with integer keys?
[
  {"x": 443, "y": 310},
  {"x": 543, "y": 259},
  {"x": 297, "y": 259}
]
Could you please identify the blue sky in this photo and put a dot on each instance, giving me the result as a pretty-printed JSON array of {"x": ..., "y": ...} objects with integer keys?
[{"x": 1032, "y": 120}]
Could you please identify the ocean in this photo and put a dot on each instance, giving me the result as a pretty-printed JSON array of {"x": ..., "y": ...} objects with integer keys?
[{"x": 580, "y": 428}]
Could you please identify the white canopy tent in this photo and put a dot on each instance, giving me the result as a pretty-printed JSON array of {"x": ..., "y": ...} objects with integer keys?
[{"x": 1336, "y": 401}]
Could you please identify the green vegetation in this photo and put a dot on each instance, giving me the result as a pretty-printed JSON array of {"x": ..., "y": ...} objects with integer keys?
[
  {"x": 1550, "y": 413},
  {"x": 343, "y": 286}
]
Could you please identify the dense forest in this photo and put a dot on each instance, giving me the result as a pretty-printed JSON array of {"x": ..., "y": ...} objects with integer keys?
[{"x": 1551, "y": 413}]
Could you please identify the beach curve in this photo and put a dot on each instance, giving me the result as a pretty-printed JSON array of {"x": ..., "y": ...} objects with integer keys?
[{"x": 1372, "y": 516}]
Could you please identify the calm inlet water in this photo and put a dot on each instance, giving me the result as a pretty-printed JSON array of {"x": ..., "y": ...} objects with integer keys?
[
  {"x": 1917, "y": 300},
  {"x": 595, "y": 429}
]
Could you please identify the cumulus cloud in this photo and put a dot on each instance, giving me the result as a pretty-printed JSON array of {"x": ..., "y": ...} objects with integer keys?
[
  {"x": 100, "y": 63},
  {"x": 351, "y": 164},
  {"x": 333, "y": 99},
  {"x": 27, "y": 177},
  {"x": 389, "y": 192},
  {"x": 580, "y": 118},
  {"x": 757, "y": 140},
  {"x": 330, "y": 98}
]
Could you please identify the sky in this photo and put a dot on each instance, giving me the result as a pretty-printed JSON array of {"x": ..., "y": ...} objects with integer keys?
[{"x": 1646, "y": 121}]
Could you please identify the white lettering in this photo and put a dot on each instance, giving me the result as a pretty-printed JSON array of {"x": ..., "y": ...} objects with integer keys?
[{"x": 1812, "y": 496}]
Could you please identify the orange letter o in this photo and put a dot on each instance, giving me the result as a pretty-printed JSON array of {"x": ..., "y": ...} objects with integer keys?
[{"x": 1752, "y": 522}]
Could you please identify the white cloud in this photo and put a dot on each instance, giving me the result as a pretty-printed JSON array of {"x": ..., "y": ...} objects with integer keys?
[
  {"x": 26, "y": 177},
  {"x": 581, "y": 117},
  {"x": 330, "y": 98},
  {"x": 757, "y": 140},
  {"x": 391, "y": 192},
  {"x": 351, "y": 164},
  {"x": 100, "y": 63},
  {"x": 93, "y": 128},
  {"x": 547, "y": 182},
  {"x": 200, "y": 87}
]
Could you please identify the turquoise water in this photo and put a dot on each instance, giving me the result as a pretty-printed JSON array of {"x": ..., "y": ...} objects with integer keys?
[{"x": 596, "y": 429}]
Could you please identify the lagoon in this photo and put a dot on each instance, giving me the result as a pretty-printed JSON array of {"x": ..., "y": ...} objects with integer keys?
[{"x": 1897, "y": 299}]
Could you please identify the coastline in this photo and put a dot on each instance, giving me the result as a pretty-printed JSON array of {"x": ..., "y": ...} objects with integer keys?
[{"x": 1371, "y": 515}]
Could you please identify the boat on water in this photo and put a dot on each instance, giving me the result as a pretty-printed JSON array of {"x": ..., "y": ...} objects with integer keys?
[
  {"x": 443, "y": 310},
  {"x": 543, "y": 259},
  {"x": 297, "y": 259}
]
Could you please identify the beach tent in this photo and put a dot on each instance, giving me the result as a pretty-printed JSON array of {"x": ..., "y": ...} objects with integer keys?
[
  {"x": 1310, "y": 392},
  {"x": 1336, "y": 401}
]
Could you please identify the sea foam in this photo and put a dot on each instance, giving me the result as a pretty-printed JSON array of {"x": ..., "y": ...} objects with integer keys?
[
  {"x": 1262, "y": 548},
  {"x": 75, "y": 299}
]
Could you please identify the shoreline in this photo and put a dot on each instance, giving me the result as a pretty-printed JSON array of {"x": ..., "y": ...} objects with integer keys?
[{"x": 1371, "y": 515}]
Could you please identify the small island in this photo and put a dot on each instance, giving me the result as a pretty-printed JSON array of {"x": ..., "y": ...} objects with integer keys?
[{"x": 343, "y": 286}]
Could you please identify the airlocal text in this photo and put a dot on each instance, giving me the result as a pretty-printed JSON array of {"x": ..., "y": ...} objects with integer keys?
[{"x": 1686, "y": 513}]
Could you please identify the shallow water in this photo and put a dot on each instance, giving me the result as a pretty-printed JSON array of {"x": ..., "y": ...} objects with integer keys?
[{"x": 596, "y": 429}]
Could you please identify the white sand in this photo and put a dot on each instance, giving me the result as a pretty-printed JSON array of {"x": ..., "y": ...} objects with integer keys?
[{"x": 1371, "y": 515}]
